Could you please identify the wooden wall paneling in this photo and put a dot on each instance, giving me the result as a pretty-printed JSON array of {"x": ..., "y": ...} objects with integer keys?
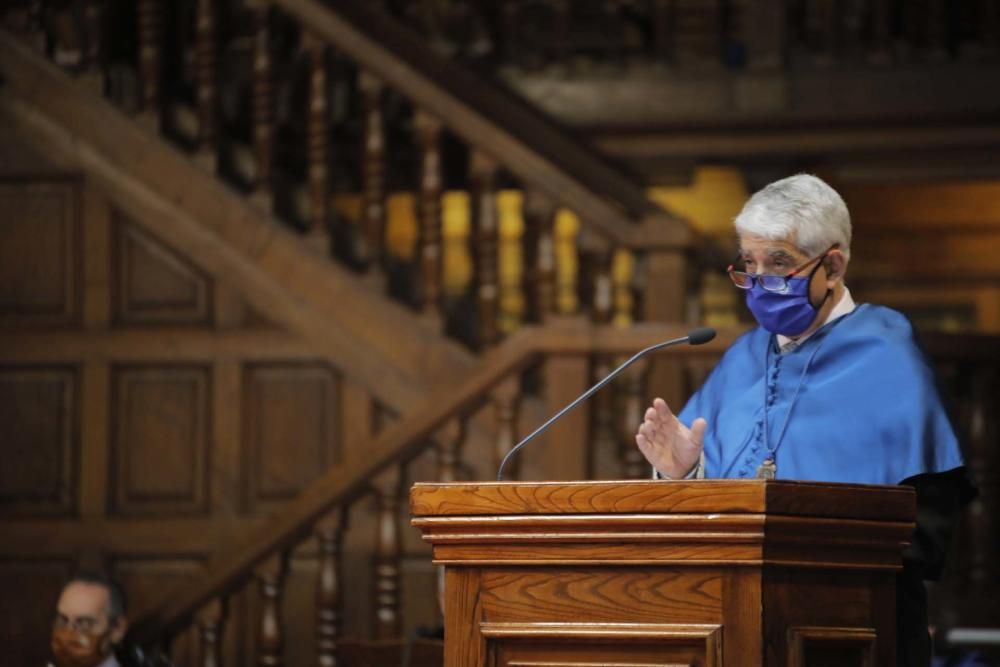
[
  {"x": 96, "y": 244},
  {"x": 226, "y": 462},
  {"x": 160, "y": 447},
  {"x": 30, "y": 591},
  {"x": 39, "y": 433},
  {"x": 358, "y": 425},
  {"x": 291, "y": 421},
  {"x": 95, "y": 439},
  {"x": 153, "y": 284},
  {"x": 39, "y": 257}
]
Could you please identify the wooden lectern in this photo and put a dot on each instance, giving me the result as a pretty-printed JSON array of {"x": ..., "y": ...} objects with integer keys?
[{"x": 643, "y": 573}]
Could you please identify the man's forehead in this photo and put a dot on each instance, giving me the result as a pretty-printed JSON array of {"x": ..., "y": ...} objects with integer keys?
[
  {"x": 81, "y": 598},
  {"x": 757, "y": 244}
]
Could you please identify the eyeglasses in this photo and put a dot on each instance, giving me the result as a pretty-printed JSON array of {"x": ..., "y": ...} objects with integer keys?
[
  {"x": 770, "y": 282},
  {"x": 80, "y": 624}
]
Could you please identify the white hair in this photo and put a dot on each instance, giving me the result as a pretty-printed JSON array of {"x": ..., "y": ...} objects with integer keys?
[{"x": 802, "y": 207}]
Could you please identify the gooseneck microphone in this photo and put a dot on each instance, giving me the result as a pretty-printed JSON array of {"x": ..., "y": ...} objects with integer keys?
[{"x": 695, "y": 337}]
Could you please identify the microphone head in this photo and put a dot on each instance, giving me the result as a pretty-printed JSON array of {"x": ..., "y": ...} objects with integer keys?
[{"x": 702, "y": 335}]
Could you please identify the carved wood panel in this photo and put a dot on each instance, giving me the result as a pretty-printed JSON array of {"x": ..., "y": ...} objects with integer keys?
[
  {"x": 154, "y": 285},
  {"x": 39, "y": 434},
  {"x": 30, "y": 591},
  {"x": 291, "y": 421},
  {"x": 160, "y": 440},
  {"x": 39, "y": 257}
]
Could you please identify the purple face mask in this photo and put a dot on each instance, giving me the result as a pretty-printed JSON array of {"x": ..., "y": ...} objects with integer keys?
[{"x": 787, "y": 313}]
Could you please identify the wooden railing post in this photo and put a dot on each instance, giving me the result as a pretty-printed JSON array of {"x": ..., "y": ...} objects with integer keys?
[
  {"x": 263, "y": 106},
  {"x": 210, "y": 620},
  {"x": 329, "y": 532},
  {"x": 430, "y": 251},
  {"x": 506, "y": 408},
  {"x": 484, "y": 219},
  {"x": 539, "y": 255},
  {"x": 450, "y": 439},
  {"x": 318, "y": 139},
  {"x": 271, "y": 634},
  {"x": 150, "y": 48},
  {"x": 386, "y": 576},
  {"x": 206, "y": 81},
  {"x": 372, "y": 170},
  {"x": 511, "y": 301}
]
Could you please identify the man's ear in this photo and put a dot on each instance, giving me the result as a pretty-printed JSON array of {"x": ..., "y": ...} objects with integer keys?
[
  {"x": 118, "y": 630},
  {"x": 836, "y": 266}
]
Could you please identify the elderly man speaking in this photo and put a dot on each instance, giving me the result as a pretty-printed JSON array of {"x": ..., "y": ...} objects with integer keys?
[{"x": 823, "y": 389}]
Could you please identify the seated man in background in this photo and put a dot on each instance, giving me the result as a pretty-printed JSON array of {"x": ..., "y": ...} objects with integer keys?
[
  {"x": 824, "y": 389},
  {"x": 89, "y": 622}
]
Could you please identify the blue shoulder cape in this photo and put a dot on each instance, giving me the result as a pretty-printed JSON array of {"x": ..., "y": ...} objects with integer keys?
[{"x": 866, "y": 409}]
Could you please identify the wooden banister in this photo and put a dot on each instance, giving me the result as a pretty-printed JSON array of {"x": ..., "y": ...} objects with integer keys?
[
  {"x": 400, "y": 441},
  {"x": 487, "y": 118}
]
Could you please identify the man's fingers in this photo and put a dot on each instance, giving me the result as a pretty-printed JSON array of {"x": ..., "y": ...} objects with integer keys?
[
  {"x": 698, "y": 431},
  {"x": 662, "y": 408}
]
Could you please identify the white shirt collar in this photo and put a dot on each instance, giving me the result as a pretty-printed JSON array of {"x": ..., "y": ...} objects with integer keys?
[{"x": 843, "y": 307}]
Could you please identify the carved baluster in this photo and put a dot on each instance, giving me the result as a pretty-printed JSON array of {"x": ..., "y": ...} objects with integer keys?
[
  {"x": 634, "y": 403},
  {"x": 603, "y": 302},
  {"x": 567, "y": 269},
  {"x": 450, "y": 440},
  {"x": 150, "y": 48},
  {"x": 510, "y": 231},
  {"x": 386, "y": 576},
  {"x": 879, "y": 50},
  {"x": 26, "y": 22},
  {"x": 506, "y": 407},
  {"x": 93, "y": 24},
  {"x": 318, "y": 142},
  {"x": 263, "y": 106},
  {"x": 210, "y": 634},
  {"x": 622, "y": 280},
  {"x": 206, "y": 83},
  {"x": 484, "y": 211},
  {"x": 430, "y": 254},
  {"x": 271, "y": 635},
  {"x": 329, "y": 533},
  {"x": 539, "y": 255},
  {"x": 372, "y": 169}
]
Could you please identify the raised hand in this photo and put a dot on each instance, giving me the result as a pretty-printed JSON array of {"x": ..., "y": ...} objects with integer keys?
[{"x": 668, "y": 445}]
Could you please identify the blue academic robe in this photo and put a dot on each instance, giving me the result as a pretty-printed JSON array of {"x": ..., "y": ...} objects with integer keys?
[{"x": 856, "y": 402}]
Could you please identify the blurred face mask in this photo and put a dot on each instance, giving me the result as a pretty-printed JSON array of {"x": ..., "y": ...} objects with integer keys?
[{"x": 71, "y": 648}]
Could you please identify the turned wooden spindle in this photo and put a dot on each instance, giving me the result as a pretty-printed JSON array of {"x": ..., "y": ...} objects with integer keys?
[
  {"x": 318, "y": 138},
  {"x": 567, "y": 264},
  {"x": 93, "y": 24},
  {"x": 539, "y": 255},
  {"x": 372, "y": 169},
  {"x": 206, "y": 81},
  {"x": 633, "y": 401},
  {"x": 429, "y": 209},
  {"x": 450, "y": 439},
  {"x": 271, "y": 634},
  {"x": 329, "y": 534},
  {"x": 602, "y": 306},
  {"x": 210, "y": 635},
  {"x": 385, "y": 581},
  {"x": 263, "y": 105},
  {"x": 150, "y": 49},
  {"x": 484, "y": 216},
  {"x": 506, "y": 408},
  {"x": 622, "y": 280}
]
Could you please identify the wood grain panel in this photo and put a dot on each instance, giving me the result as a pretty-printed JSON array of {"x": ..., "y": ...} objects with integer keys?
[
  {"x": 30, "y": 592},
  {"x": 160, "y": 446},
  {"x": 39, "y": 419},
  {"x": 831, "y": 647},
  {"x": 39, "y": 258},
  {"x": 611, "y": 595},
  {"x": 291, "y": 429},
  {"x": 153, "y": 284}
]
